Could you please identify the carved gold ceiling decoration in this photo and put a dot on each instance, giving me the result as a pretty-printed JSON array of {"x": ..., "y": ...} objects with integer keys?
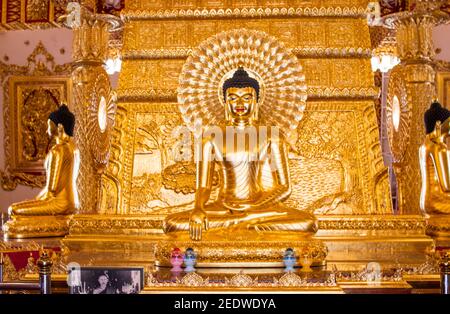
[{"x": 30, "y": 92}]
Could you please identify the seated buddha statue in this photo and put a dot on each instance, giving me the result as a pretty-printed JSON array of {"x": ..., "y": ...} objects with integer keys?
[
  {"x": 59, "y": 196},
  {"x": 254, "y": 173},
  {"x": 434, "y": 157}
]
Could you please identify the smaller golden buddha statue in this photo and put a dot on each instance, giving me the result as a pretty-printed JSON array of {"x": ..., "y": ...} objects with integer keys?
[
  {"x": 434, "y": 157},
  {"x": 47, "y": 215}
]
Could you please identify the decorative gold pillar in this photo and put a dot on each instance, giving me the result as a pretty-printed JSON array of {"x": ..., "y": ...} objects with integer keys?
[
  {"x": 410, "y": 92},
  {"x": 93, "y": 100}
]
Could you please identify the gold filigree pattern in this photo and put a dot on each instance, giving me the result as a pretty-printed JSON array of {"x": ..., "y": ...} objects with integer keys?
[
  {"x": 370, "y": 274},
  {"x": 170, "y": 95},
  {"x": 416, "y": 223},
  {"x": 101, "y": 121},
  {"x": 307, "y": 52},
  {"x": 415, "y": 48},
  {"x": 438, "y": 226},
  {"x": 414, "y": 30},
  {"x": 307, "y": 36},
  {"x": 94, "y": 107},
  {"x": 98, "y": 224},
  {"x": 9, "y": 271},
  {"x": 15, "y": 246},
  {"x": 241, "y": 280},
  {"x": 157, "y": 79},
  {"x": 34, "y": 121},
  {"x": 193, "y": 280},
  {"x": 111, "y": 183},
  {"x": 38, "y": 227}
]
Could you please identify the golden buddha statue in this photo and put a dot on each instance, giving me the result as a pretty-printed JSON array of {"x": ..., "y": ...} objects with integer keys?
[
  {"x": 46, "y": 215},
  {"x": 435, "y": 162},
  {"x": 254, "y": 172},
  {"x": 434, "y": 157}
]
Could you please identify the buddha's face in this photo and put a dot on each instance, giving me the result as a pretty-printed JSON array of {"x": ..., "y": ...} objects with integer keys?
[
  {"x": 52, "y": 129},
  {"x": 103, "y": 281},
  {"x": 241, "y": 102}
]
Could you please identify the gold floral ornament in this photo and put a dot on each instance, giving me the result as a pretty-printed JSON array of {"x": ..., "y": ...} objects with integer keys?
[{"x": 283, "y": 91}]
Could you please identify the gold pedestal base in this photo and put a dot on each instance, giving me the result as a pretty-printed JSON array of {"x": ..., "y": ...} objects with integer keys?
[
  {"x": 352, "y": 241},
  {"x": 37, "y": 227},
  {"x": 252, "y": 254}
]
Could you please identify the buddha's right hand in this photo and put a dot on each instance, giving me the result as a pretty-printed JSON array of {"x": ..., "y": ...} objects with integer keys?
[{"x": 197, "y": 221}]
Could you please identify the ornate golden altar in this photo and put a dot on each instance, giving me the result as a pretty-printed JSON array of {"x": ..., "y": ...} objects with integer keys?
[
  {"x": 132, "y": 181},
  {"x": 337, "y": 167}
]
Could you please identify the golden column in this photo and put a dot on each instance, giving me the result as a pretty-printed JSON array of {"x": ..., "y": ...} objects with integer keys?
[
  {"x": 410, "y": 92},
  {"x": 93, "y": 98}
]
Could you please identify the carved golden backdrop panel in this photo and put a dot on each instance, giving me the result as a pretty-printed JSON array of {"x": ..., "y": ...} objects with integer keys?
[
  {"x": 337, "y": 166},
  {"x": 329, "y": 168}
]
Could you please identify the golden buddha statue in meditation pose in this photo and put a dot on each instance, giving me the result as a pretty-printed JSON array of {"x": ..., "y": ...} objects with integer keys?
[
  {"x": 435, "y": 161},
  {"x": 252, "y": 162},
  {"x": 59, "y": 197}
]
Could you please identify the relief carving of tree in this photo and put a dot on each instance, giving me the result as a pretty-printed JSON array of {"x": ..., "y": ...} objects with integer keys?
[
  {"x": 326, "y": 135},
  {"x": 155, "y": 135}
]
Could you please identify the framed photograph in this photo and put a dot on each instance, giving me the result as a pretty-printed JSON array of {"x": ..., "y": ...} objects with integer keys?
[{"x": 106, "y": 280}]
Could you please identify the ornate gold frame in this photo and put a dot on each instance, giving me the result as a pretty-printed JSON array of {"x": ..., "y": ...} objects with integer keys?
[
  {"x": 443, "y": 87},
  {"x": 41, "y": 74},
  {"x": 18, "y": 85}
]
